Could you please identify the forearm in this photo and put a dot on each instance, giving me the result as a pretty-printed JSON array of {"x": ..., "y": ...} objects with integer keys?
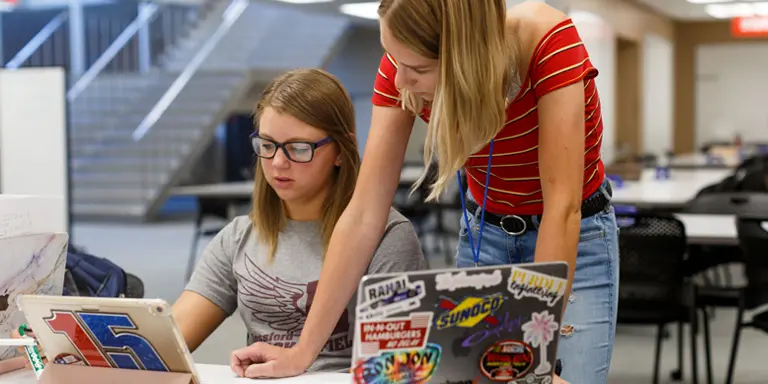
[
  {"x": 349, "y": 253},
  {"x": 558, "y": 239},
  {"x": 196, "y": 318}
]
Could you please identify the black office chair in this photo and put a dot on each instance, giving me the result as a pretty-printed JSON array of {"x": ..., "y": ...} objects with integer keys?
[
  {"x": 207, "y": 208},
  {"x": 653, "y": 289},
  {"x": 753, "y": 239}
]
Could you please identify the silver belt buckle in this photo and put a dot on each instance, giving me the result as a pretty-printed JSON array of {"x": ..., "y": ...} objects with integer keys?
[{"x": 525, "y": 226}]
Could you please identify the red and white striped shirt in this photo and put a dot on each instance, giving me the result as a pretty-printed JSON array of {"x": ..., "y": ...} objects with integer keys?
[{"x": 560, "y": 59}]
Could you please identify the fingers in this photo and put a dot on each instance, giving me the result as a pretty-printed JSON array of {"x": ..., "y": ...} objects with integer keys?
[{"x": 258, "y": 370}]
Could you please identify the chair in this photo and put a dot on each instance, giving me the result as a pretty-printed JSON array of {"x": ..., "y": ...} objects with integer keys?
[
  {"x": 653, "y": 289},
  {"x": 208, "y": 208},
  {"x": 753, "y": 239}
]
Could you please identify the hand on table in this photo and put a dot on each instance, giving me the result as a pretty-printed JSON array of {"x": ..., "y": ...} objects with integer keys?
[
  {"x": 264, "y": 360},
  {"x": 15, "y": 335}
]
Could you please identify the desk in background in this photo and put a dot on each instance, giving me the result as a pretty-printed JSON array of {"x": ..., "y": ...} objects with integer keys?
[
  {"x": 212, "y": 374},
  {"x": 673, "y": 193}
]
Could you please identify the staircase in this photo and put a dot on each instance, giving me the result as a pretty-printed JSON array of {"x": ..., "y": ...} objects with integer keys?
[{"x": 116, "y": 176}]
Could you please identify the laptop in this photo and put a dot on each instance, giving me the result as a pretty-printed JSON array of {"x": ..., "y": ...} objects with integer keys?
[
  {"x": 108, "y": 332},
  {"x": 478, "y": 325}
]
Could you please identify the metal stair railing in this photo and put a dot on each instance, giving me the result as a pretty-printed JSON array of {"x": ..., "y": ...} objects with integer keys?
[
  {"x": 150, "y": 184},
  {"x": 33, "y": 53}
]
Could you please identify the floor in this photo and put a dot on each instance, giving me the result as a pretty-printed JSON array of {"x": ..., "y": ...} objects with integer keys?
[{"x": 158, "y": 254}]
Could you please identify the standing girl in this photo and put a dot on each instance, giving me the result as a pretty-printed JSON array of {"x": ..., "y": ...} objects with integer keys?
[{"x": 510, "y": 96}]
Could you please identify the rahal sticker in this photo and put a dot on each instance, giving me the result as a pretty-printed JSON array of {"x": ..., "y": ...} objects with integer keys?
[
  {"x": 453, "y": 281},
  {"x": 469, "y": 311},
  {"x": 526, "y": 283},
  {"x": 506, "y": 360},
  {"x": 394, "y": 334},
  {"x": 389, "y": 297},
  {"x": 408, "y": 366}
]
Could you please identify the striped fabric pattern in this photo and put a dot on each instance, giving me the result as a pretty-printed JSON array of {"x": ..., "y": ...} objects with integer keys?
[{"x": 559, "y": 60}]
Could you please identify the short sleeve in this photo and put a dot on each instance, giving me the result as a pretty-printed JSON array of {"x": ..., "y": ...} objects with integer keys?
[
  {"x": 561, "y": 59},
  {"x": 214, "y": 277},
  {"x": 385, "y": 93},
  {"x": 399, "y": 249}
]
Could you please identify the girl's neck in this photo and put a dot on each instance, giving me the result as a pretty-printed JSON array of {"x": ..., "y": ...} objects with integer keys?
[{"x": 307, "y": 210}]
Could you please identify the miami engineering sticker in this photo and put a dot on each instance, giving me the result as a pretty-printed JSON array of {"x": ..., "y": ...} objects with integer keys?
[
  {"x": 394, "y": 334},
  {"x": 469, "y": 312},
  {"x": 415, "y": 366},
  {"x": 389, "y": 297},
  {"x": 526, "y": 283},
  {"x": 106, "y": 340}
]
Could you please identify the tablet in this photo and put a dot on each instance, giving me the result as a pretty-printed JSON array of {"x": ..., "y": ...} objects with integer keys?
[{"x": 108, "y": 332}]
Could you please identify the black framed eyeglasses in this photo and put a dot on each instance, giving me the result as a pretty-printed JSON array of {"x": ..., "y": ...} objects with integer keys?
[{"x": 296, "y": 151}]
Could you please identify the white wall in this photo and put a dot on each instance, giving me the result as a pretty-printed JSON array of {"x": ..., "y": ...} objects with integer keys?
[
  {"x": 731, "y": 92},
  {"x": 600, "y": 41},
  {"x": 658, "y": 91},
  {"x": 33, "y": 157}
]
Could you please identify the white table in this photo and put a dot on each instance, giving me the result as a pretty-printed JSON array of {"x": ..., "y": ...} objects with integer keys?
[
  {"x": 700, "y": 160},
  {"x": 244, "y": 189},
  {"x": 675, "y": 192},
  {"x": 211, "y": 374},
  {"x": 710, "y": 229}
]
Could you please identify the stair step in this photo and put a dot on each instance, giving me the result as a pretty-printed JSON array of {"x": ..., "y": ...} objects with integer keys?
[
  {"x": 110, "y": 195},
  {"x": 123, "y": 179},
  {"x": 161, "y": 132},
  {"x": 147, "y": 165},
  {"x": 140, "y": 149},
  {"x": 133, "y": 210}
]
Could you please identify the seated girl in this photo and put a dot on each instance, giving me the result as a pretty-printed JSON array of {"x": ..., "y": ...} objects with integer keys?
[{"x": 266, "y": 265}]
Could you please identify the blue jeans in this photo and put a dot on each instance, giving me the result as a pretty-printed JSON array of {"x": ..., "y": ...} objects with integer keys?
[{"x": 589, "y": 322}]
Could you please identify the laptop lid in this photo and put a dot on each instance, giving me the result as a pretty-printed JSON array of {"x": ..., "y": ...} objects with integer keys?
[
  {"x": 478, "y": 325},
  {"x": 108, "y": 332}
]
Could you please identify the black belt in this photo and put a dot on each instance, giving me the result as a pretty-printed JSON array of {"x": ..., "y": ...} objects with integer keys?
[{"x": 519, "y": 224}]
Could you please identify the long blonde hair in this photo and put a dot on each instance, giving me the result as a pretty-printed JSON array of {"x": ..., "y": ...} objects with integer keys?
[
  {"x": 317, "y": 98},
  {"x": 468, "y": 38}
]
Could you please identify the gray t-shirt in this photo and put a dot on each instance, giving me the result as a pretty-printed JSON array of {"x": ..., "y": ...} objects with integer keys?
[{"x": 274, "y": 298}]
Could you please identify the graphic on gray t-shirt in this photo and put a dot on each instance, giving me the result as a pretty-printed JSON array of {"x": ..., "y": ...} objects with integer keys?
[{"x": 274, "y": 297}]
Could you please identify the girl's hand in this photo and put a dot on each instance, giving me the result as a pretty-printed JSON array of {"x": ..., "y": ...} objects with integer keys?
[{"x": 15, "y": 335}]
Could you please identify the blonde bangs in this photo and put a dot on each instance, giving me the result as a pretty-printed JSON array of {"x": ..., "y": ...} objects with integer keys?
[{"x": 476, "y": 68}]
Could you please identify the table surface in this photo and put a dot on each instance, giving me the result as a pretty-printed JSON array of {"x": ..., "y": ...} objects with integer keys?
[
  {"x": 210, "y": 374},
  {"x": 244, "y": 189},
  {"x": 681, "y": 187},
  {"x": 710, "y": 229}
]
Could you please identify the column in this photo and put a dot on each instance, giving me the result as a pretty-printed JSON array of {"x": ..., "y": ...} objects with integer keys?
[
  {"x": 144, "y": 49},
  {"x": 76, "y": 39}
]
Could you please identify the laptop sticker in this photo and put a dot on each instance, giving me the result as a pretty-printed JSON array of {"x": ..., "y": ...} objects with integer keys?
[
  {"x": 389, "y": 297},
  {"x": 526, "y": 283},
  {"x": 453, "y": 281},
  {"x": 506, "y": 323},
  {"x": 394, "y": 334},
  {"x": 106, "y": 340},
  {"x": 468, "y": 312},
  {"x": 506, "y": 360},
  {"x": 538, "y": 333},
  {"x": 415, "y": 366}
]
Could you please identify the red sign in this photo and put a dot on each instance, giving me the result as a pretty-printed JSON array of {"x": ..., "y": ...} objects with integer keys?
[
  {"x": 753, "y": 26},
  {"x": 394, "y": 333}
]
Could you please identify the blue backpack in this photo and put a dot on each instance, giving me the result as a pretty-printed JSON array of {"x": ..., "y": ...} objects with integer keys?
[{"x": 88, "y": 275}]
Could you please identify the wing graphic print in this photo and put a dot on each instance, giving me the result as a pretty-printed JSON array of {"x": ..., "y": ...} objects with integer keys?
[{"x": 270, "y": 299}]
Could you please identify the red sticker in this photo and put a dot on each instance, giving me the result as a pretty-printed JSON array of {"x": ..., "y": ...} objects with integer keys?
[
  {"x": 392, "y": 334},
  {"x": 506, "y": 360}
]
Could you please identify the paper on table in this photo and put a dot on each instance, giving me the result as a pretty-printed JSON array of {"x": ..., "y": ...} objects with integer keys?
[
  {"x": 27, "y": 214},
  {"x": 32, "y": 264},
  {"x": 222, "y": 374}
]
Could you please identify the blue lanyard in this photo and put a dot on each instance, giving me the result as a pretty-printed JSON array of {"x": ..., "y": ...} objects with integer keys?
[{"x": 476, "y": 251}]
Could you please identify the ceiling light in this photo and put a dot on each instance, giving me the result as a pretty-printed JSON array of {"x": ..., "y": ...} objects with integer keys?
[
  {"x": 727, "y": 11},
  {"x": 365, "y": 10},
  {"x": 306, "y": 1}
]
